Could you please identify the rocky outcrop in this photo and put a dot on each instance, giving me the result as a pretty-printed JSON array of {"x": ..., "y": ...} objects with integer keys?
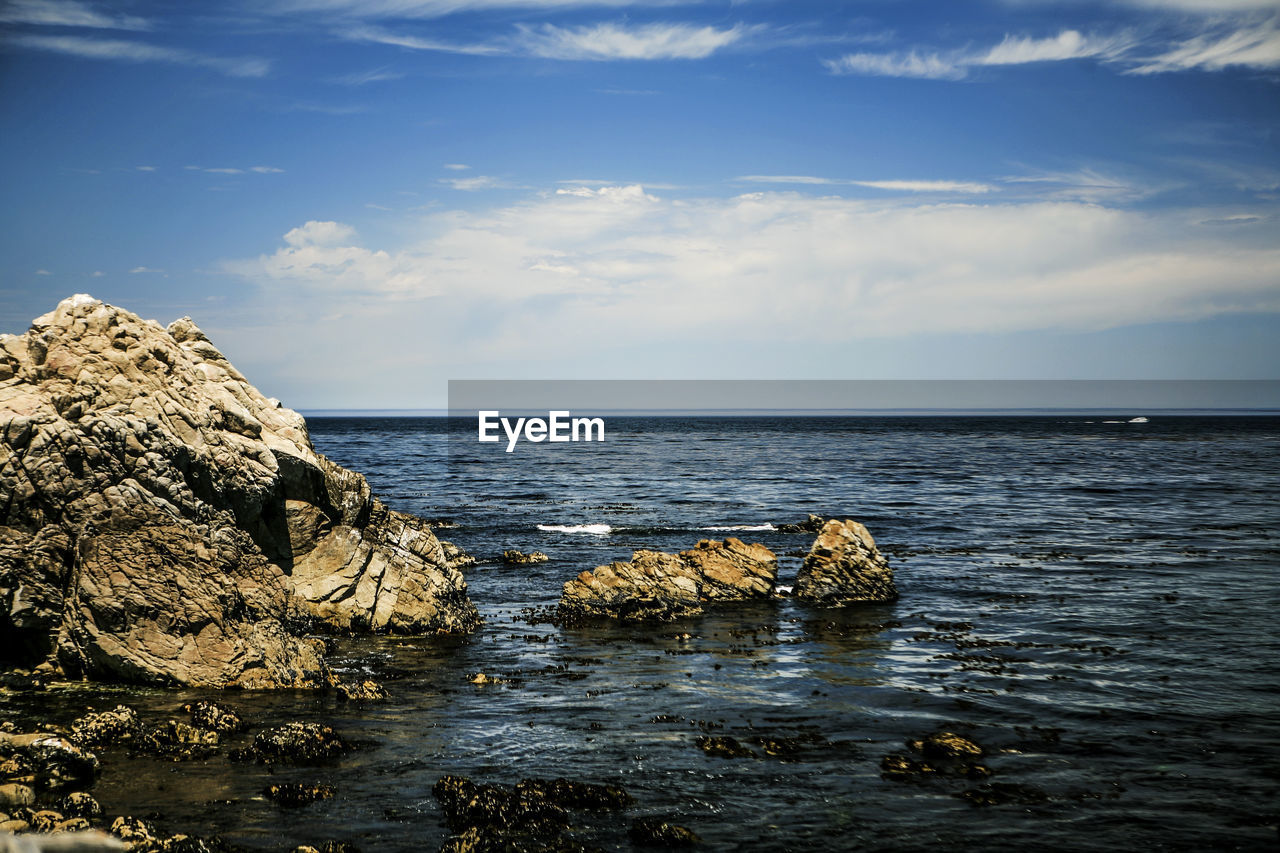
[
  {"x": 163, "y": 521},
  {"x": 843, "y": 567},
  {"x": 659, "y": 586}
]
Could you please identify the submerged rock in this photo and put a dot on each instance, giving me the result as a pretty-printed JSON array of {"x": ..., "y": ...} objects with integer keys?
[
  {"x": 660, "y": 832},
  {"x": 530, "y": 816},
  {"x": 813, "y": 524},
  {"x": 844, "y": 567},
  {"x": 941, "y": 754},
  {"x": 162, "y": 521},
  {"x": 47, "y": 762},
  {"x": 214, "y": 717},
  {"x": 101, "y": 728},
  {"x": 296, "y": 743},
  {"x": 519, "y": 558},
  {"x": 660, "y": 586},
  {"x": 292, "y": 795}
]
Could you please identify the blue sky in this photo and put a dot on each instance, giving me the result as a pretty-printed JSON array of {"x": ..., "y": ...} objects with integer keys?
[{"x": 360, "y": 199}]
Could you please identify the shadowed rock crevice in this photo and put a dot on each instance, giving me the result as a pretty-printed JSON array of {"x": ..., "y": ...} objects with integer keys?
[{"x": 163, "y": 521}]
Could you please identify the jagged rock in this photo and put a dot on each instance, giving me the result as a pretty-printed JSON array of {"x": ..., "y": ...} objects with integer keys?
[
  {"x": 177, "y": 741},
  {"x": 723, "y": 746},
  {"x": 455, "y": 558},
  {"x": 165, "y": 522},
  {"x": 513, "y": 557},
  {"x": 942, "y": 754},
  {"x": 660, "y": 586},
  {"x": 843, "y": 567}
]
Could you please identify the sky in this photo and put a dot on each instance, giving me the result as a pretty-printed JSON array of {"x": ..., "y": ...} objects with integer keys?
[{"x": 359, "y": 200}]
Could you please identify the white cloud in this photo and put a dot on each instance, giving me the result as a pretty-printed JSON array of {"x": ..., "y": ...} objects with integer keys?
[
  {"x": 145, "y": 168},
  {"x": 457, "y": 167},
  {"x": 66, "y": 13},
  {"x": 439, "y": 8},
  {"x": 377, "y": 35},
  {"x": 896, "y": 186},
  {"x": 479, "y": 182},
  {"x": 604, "y": 268},
  {"x": 364, "y": 78},
  {"x": 315, "y": 233},
  {"x": 137, "y": 270},
  {"x": 97, "y": 274},
  {"x": 1068, "y": 44},
  {"x": 132, "y": 51},
  {"x": 928, "y": 66},
  {"x": 43, "y": 272},
  {"x": 234, "y": 170},
  {"x": 613, "y": 41},
  {"x": 1254, "y": 46}
]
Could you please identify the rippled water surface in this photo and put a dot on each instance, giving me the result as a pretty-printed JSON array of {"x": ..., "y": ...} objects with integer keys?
[{"x": 1094, "y": 603}]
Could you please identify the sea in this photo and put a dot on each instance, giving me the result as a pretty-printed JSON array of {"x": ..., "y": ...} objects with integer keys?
[{"x": 1091, "y": 599}]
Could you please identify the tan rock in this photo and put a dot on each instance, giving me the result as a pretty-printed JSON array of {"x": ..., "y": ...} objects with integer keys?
[
  {"x": 165, "y": 522},
  {"x": 843, "y": 567},
  {"x": 660, "y": 586}
]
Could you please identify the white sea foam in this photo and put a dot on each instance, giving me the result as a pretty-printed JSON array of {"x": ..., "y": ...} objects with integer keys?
[
  {"x": 783, "y": 590},
  {"x": 595, "y": 529},
  {"x": 765, "y": 526},
  {"x": 1138, "y": 420}
]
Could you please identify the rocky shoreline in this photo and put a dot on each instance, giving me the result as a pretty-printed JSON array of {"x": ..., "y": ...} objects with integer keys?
[{"x": 165, "y": 523}]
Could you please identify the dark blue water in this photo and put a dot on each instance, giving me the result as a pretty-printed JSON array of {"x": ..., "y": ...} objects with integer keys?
[{"x": 1094, "y": 603}]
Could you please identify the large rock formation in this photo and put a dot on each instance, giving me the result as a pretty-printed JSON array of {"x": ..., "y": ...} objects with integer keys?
[
  {"x": 163, "y": 521},
  {"x": 844, "y": 566},
  {"x": 660, "y": 586}
]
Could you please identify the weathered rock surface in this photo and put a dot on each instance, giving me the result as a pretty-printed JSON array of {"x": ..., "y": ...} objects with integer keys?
[
  {"x": 512, "y": 557},
  {"x": 843, "y": 567},
  {"x": 660, "y": 586},
  {"x": 162, "y": 521}
]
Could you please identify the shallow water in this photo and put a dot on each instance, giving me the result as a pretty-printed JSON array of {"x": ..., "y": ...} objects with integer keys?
[{"x": 1094, "y": 603}]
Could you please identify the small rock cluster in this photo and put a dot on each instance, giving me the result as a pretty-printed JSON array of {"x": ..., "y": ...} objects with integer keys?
[
  {"x": 845, "y": 567},
  {"x": 533, "y": 816},
  {"x": 512, "y": 557}
]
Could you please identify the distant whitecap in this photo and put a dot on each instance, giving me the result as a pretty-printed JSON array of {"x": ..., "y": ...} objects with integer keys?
[
  {"x": 765, "y": 526},
  {"x": 595, "y": 529},
  {"x": 1138, "y": 420}
]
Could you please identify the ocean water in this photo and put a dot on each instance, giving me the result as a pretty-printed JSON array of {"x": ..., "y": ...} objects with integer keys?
[{"x": 1094, "y": 603}]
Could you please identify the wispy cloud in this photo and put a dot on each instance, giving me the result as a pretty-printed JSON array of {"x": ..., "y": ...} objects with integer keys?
[
  {"x": 364, "y": 78},
  {"x": 378, "y": 35},
  {"x": 138, "y": 270},
  {"x": 456, "y": 167},
  {"x": 614, "y": 41},
  {"x": 233, "y": 170},
  {"x": 132, "y": 51},
  {"x": 145, "y": 168},
  {"x": 894, "y": 186},
  {"x": 477, "y": 183},
  {"x": 438, "y": 8},
  {"x": 928, "y": 66},
  {"x": 43, "y": 272},
  {"x": 1253, "y": 46},
  {"x": 1068, "y": 44},
  {"x": 66, "y": 13}
]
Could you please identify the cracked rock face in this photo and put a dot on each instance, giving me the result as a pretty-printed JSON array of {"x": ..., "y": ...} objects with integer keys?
[
  {"x": 163, "y": 521},
  {"x": 659, "y": 586},
  {"x": 843, "y": 567}
]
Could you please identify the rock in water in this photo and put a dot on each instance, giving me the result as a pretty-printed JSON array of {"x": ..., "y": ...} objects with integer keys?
[
  {"x": 165, "y": 522},
  {"x": 660, "y": 586},
  {"x": 843, "y": 567}
]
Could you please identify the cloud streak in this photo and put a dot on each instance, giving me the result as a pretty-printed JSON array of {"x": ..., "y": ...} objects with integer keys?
[
  {"x": 66, "y": 13},
  {"x": 1255, "y": 45},
  {"x": 116, "y": 50},
  {"x": 894, "y": 186}
]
